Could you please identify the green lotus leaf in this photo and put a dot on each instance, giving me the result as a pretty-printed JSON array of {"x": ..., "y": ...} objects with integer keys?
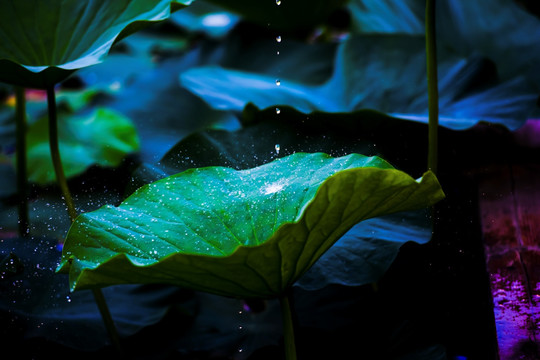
[
  {"x": 103, "y": 137},
  {"x": 248, "y": 233},
  {"x": 43, "y": 42}
]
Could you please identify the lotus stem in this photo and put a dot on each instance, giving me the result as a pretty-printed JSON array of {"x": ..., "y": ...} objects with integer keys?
[
  {"x": 288, "y": 326},
  {"x": 433, "y": 90},
  {"x": 107, "y": 319},
  {"x": 55, "y": 153},
  {"x": 22, "y": 180},
  {"x": 62, "y": 182}
]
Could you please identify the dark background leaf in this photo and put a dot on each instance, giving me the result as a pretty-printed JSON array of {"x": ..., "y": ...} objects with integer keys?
[
  {"x": 36, "y": 302},
  {"x": 378, "y": 72}
]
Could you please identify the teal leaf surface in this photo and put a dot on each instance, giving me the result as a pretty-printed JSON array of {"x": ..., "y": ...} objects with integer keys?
[
  {"x": 41, "y": 43},
  {"x": 248, "y": 233},
  {"x": 366, "y": 251}
]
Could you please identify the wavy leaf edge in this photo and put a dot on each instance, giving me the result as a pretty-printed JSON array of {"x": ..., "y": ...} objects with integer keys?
[
  {"x": 101, "y": 53},
  {"x": 80, "y": 270}
]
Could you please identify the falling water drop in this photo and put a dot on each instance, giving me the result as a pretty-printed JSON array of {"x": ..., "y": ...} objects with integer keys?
[
  {"x": 278, "y": 82},
  {"x": 277, "y": 147},
  {"x": 278, "y": 38},
  {"x": 278, "y": 2},
  {"x": 278, "y": 111}
]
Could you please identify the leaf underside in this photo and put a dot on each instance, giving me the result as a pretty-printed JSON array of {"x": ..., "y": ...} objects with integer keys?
[{"x": 42, "y": 43}]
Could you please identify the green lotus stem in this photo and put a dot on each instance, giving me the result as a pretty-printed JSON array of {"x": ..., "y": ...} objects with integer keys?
[
  {"x": 433, "y": 91},
  {"x": 288, "y": 327},
  {"x": 22, "y": 180},
  {"x": 55, "y": 153},
  {"x": 61, "y": 180}
]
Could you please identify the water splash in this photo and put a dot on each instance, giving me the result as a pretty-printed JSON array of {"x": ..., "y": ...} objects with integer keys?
[{"x": 273, "y": 188}]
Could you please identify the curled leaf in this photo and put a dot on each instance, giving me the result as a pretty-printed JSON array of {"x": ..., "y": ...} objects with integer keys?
[
  {"x": 249, "y": 233},
  {"x": 41, "y": 43}
]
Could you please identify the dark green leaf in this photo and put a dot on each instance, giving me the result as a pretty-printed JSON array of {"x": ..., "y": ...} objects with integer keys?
[
  {"x": 249, "y": 233},
  {"x": 41, "y": 43}
]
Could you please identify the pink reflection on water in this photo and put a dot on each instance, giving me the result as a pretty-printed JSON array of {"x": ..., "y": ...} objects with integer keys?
[
  {"x": 529, "y": 134},
  {"x": 515, "y": 315}
]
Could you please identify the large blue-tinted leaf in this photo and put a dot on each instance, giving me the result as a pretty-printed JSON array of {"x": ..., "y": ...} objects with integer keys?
[
  {"x": 41, "y": 43},
  {"x": 249, "y": 233},
  {"x": 383, "y": 73},
  {"x": 500, "y": 30},
  {"x": 365, "y": 252},
  {"x": 387, "y": 16}
]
